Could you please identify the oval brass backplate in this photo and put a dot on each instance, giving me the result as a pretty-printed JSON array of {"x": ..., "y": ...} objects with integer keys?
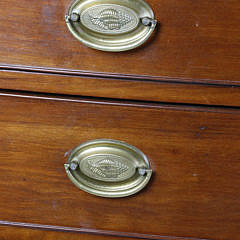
[
  {"x": 111, "y": 25},
  {"x": 108, "y": 168}
]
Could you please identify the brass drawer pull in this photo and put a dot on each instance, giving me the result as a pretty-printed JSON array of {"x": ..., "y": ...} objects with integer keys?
[
  {"x": 108, "y": 168},
  {"x": 111, "y": 25}
]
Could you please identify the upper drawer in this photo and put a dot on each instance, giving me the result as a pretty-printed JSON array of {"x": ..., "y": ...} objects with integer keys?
[
  {"x": 194, "y": 154},
  {"x": 195, "y": 41}
]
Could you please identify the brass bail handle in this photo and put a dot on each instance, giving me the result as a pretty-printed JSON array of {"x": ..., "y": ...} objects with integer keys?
[
  {"x": 146, "y": 21},
  {"x": 113, "y": 25},
  {"x": 108, "y": 168},
  {"x": 74, "y": 164}
]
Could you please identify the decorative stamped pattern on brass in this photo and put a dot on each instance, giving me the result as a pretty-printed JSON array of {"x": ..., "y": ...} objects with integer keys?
[
  {"x": 109, "y": 19},
  {"x": 110, "y": 168}
]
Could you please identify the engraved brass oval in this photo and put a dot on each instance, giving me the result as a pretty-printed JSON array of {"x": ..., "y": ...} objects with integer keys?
[
  {"x": 109, "y": 19},
  {"x": 108, "y": 168},
  {"x": 111, "y": 25}
]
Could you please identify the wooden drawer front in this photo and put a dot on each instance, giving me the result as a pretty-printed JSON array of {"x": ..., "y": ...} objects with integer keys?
[
  {"x": 194, "y": 153},
  {"x": 121, "y": 89},
  {"x": 195, "y": 40}
]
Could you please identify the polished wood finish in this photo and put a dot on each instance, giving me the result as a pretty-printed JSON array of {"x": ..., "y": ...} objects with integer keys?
[
  {"x": 136, "y": 96},
  {"x": 120, "y": 88},
  {"x": 193, "y": 151},
  {"x": 13, "y": 233},
  {"x": 26, "y": 230},
  {"x": 195, "y": 41}
]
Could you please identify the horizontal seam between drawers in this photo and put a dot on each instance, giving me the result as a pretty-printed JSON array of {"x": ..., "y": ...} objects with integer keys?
[
  {"x": 122, "y": 103},
  {"x": 102, "y": 75}
]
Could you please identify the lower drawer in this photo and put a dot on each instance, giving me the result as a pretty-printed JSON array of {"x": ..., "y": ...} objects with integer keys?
[{"x": 194, "y": 154}]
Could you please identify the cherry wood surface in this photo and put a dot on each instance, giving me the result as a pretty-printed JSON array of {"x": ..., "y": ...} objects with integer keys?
[
  {"x": 193, "y": 151},
  {"x": 121, "y": 88},
  {"x": 196, "y": 40}
]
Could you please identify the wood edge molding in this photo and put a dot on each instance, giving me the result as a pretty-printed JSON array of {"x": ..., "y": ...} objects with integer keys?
[
  {"x": 74, "y": 72},
  {"x": 94, "y": 231},
  {"x": 122, "y": 103},
  {"x": 109, "y": 88}
]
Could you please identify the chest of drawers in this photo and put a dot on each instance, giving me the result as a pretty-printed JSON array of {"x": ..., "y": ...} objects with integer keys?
[{"x": 176, "y": 98}]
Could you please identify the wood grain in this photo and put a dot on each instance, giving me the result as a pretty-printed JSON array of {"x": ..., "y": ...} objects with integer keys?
[
  {"x": 121, "y": 89},
  {"x": 27, "y": 228},
  {"x": 194, "y": 153},
  {"x": 195, "y": 40},
  {"x": 13, "y": 233}
]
